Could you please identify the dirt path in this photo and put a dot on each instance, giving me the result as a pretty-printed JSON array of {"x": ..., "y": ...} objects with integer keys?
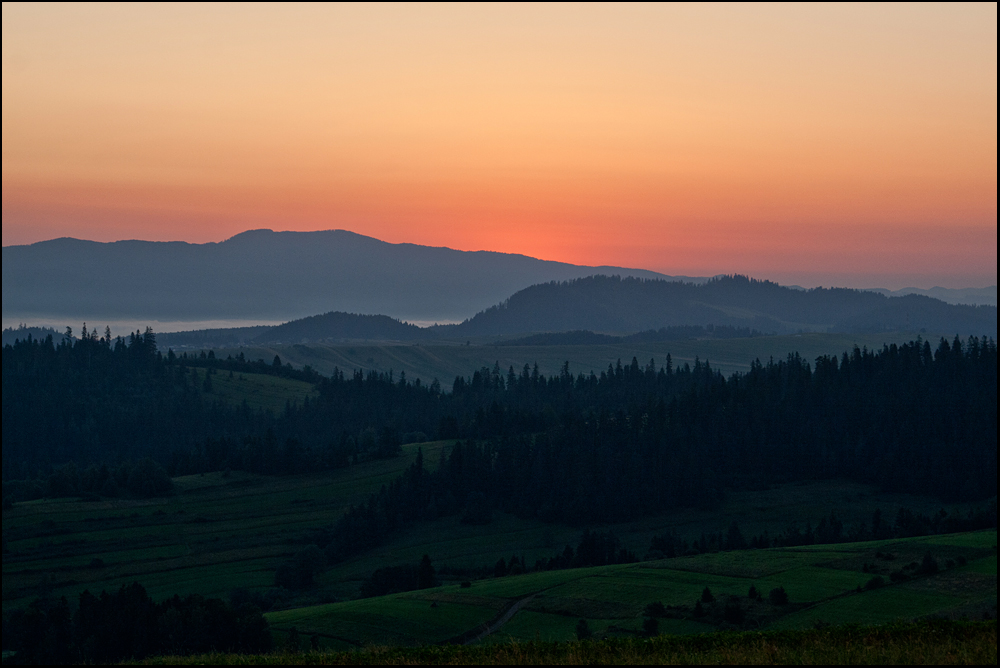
[
  {"x": 495, "y": 624},
  {"x": 492, "y": 626}
]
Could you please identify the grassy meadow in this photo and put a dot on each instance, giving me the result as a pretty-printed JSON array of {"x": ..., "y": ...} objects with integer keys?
[
  {"x": 220, "y": 532},
  {"x": 825, "y": 584},
  {"x": 260, "y": 391},
  {"x": 217, "y": 533}
]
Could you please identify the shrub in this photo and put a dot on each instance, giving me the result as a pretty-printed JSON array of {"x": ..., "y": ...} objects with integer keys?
[
  {"x": 875, "y": 583},
  {"x": 655, "y": 609},
  {"x": 778, "y": 596},
  {"x": 706, "y": 595},
  {"x": 583, "y": 631},
  {"x": 734, "y": 613},
  {"x": 929, "y": 565}
]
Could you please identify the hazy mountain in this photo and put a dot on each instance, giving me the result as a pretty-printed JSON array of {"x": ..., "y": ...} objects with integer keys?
[
  {"x": 267, "y": 275},
  {"x": 973, "y": 296},
  {"x": 627, "y": 305},
  {"x": 329, "y": 327},
  {"x": 587, "y": 310}
]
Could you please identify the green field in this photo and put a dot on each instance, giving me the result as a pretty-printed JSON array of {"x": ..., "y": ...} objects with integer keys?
[
  {"x": 822, "y": 588},
  {"x": 260, "y": 391},
  {"x": 217, "y": 533},
  {"x": 220, "y": 532},
  {"x": 445, "y": 361}
]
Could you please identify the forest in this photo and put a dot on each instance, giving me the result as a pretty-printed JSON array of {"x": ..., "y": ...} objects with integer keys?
[{"x": 635, "y": 440}]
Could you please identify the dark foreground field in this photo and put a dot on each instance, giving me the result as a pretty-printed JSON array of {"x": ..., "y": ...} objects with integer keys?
[{"x": 928, "y": 642}]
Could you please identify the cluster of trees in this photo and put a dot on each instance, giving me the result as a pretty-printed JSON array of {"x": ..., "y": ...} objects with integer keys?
[
  {"x": 828, "y": 530},
  {"x": 129, "y": 625},
  {"x": 406, "y": 577},
  {"x": 594, "y": 549},
  {"x": 140, "y": 479},
  {"x": 301, "y": 570}
]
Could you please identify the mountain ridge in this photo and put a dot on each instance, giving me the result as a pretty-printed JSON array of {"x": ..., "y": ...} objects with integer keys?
[
  {"x": 264, "y": 274},
  {"x": 608, "y": 307}
]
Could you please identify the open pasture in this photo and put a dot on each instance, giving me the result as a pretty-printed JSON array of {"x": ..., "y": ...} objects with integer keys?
[
  {"x": 217, "y": 533},
  {"x": 221, "y": 532},
  {"x": 612, "y": 599},
  {"x": 455, "y": 546},
  {"x": 260, "y": 391}
]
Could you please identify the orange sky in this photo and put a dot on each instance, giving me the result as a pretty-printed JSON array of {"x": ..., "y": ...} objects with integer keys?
[{"x": 847, "y": 145}]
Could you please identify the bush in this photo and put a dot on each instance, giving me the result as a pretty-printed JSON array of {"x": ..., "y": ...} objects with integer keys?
[
  {"x": 778, "y": 596},
  {"x": 875, "y": 583},
  {"x": 929, "y": 565},
  {"x": 147, "y": 478},
  {"x": 301, "y": 571},
  {"x": 477, "y": 510},
  {"x": 650, "y": 626},
  {"x": 706, "y": 595},
  {"x": 583, "y": 631},
  {"x": 655, "y": 609},
  {"x": 734, "y": 613}
]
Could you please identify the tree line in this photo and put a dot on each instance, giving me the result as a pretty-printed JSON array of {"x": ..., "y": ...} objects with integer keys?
[
  {"x": 129, "y": 625},
  {"x": 632, "y": 441}
]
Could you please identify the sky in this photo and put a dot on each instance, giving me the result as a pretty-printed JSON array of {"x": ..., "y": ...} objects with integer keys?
[{"x": 849, "y": 145}]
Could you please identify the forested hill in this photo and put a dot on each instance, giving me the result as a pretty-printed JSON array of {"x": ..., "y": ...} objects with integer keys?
[
  {"x": 12, "y": 334},
  {"x": 334, "y": 326},
  {"x": 340, "y": 325},
  {"x": 626, "y": 305}
]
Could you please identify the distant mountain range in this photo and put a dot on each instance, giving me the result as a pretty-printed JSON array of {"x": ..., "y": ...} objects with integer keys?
[
  {"x": 972, "y": 296},
  {"x": 602, "y": 309},
  {"x": 367, "y": 288},
  {"x": 612, "y": 304},
  {"x": 264, "y": 275}
]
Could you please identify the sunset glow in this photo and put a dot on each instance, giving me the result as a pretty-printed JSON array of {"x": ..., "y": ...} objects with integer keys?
[{"x": 848, "y": 145}]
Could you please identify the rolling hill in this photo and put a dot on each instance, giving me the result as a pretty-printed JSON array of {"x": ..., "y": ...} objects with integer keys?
[{"x": 627, "y": 305}]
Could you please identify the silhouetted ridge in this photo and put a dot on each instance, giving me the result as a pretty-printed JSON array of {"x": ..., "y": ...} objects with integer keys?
[
  {"x": 615, "y": 304},
  {"x": 265, "y": 275},
  {"x": 339, "y": 326}
]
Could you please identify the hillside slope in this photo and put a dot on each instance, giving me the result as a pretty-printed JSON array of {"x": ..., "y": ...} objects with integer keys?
[{"x": 864, "y": 583}]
